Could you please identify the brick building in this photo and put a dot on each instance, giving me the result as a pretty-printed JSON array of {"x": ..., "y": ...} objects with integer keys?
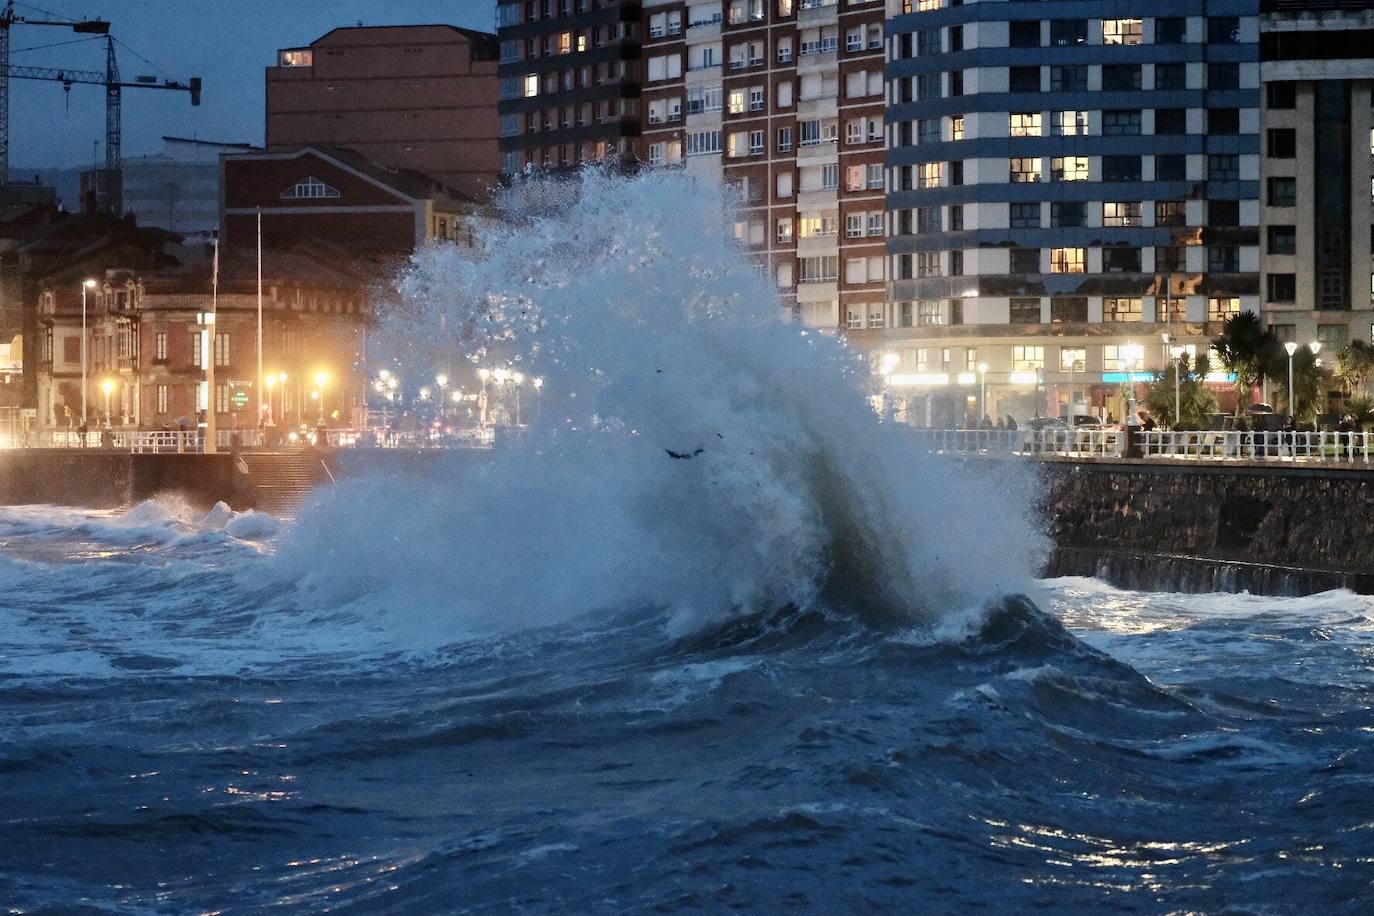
[
  {"x": 413, "y": 97},
  {"x": 143, "y": 337},
  {"x": 337, "y": 196}
]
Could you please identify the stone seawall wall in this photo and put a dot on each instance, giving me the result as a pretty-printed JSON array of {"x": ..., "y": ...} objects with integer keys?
[
  {"x": 100, "y": 479},
  {"x": 1240, "y": 516}
]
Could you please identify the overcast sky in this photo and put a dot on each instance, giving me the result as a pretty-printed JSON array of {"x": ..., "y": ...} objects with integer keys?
[{"x": 225, "y": 42}]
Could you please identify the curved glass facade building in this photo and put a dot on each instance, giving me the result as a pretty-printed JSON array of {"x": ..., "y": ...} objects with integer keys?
[{"x": 1068, "y": 181}]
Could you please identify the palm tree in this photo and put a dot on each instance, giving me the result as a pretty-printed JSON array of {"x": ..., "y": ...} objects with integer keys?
[
  {"x": 1309, "y": 384},
  {"x": 1246, "y": 348},
  {"x": 1195, "y": 400},
  {"x": 1354, "y": 366}
]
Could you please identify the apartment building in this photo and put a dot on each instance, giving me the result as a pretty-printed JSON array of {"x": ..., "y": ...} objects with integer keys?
[
  {"x": 782, "y": 99},
  {"x": 570, "y": 83},
  {"x": 1317, "y": 119},
  {"x": 1070, "y": 181}
]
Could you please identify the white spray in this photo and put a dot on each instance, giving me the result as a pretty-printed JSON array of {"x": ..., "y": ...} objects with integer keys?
[{"x": 654, "y": 335}]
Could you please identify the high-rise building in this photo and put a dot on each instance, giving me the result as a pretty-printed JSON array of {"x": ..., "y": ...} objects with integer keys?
[
  {"x": 419, "y": 97},
  {"x": 570, "y": 83},
  {"x": 783, "y": 99},
  {"x": 1069, "y": 182},
  {"x": 1317, "y": 120}
]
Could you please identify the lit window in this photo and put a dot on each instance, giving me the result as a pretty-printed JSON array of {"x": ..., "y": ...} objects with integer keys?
[
  {"x": 531, "y": 86},
  {"x": 1122, "y": 32},
  {"x": 1025, "y": 124},
  {"x": 1027, "y": 359},
  {"x": 1025, "y": 169},
  {"x": 1067, "y": 260},
  {"x": 1069, "y": 168}
]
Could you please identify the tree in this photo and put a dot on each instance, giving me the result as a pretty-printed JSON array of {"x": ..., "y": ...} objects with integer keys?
[
  {"x": 1360, "y": 409},
  {"x": 1309, "y": 384},
  {"x": 1354, "y": 366},
  {"x": 1195, "y": 399},
  {"x": 1247, "y": 349}
]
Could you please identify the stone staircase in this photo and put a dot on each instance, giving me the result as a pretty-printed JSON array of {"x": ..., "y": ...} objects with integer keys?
[{"x": 280, "y": 482}]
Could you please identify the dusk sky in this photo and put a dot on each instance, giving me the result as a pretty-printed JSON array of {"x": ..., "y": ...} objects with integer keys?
[{"x": 227, "y": 44}]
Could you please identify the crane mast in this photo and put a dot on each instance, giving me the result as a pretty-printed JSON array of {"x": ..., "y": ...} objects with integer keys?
[{"x": 110, "y": 79}]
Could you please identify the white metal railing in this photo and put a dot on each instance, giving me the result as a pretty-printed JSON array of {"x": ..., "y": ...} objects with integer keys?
[
  {"x": 1201, "y": 445},
  {"x": 1047, "y": 442},
  {"x": 1321, "y": 447}
]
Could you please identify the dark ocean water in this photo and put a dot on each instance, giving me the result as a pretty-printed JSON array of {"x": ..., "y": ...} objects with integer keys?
[{"x": 179, "y": 734}]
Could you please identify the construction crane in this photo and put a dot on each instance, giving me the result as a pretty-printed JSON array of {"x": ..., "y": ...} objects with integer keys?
[{"x": 109, "y": 79}]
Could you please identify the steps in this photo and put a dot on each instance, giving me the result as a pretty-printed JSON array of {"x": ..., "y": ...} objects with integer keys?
[{"x": 281, "y": 481}]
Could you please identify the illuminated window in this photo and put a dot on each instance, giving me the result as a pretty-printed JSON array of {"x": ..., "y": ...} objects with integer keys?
[
  {"x": 1069, "y": 168},
  {"x": 531, "y": 85},
  {"x": 1068, "y": 260},
  {"x": 1219, "y": 308},
  {"x": 956, "y": 127},
  {"x": 1121, "y": 309},
  {"x": 1121, "y": 213},
  {"x": 1025, "y": 169},
  {"x": 1025, "y": 124},
  {"x": 930, "y": 173},
  {"x": 1122, "y": 32},
  {"x": 1072, "y": 359},
  {"x": 1027, "y": 359}
]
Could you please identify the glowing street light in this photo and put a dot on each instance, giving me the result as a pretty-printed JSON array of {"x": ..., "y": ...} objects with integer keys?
[
  {"x": 85, "y": 285},
  {"x": 1290, "y": 347},
  {"x": 107, "y": 386},
  {"x": 519, "y": 379},
  {"x": 538, "y": 398}
]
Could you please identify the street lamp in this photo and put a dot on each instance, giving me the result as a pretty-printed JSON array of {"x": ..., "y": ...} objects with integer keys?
[
  {"x": 519, "y": 379},
  {"x": 983, "y": 389},
  {"x": 281, "y": 377},
  {"x": 442, "y": 381},
  {"x": 483, "y": 374},
  {"x": 107, "y": 386},
  {"x": 1291, "y": 348},
  {"x": 271, "y": 382},
  {"x": 1177, "y": 351},
  {"x": 85, "y": 285},
  {"x": 1165, "y": 350},
  {"x": 538, "y": 399},
  {"x": 321, "y": 378}
]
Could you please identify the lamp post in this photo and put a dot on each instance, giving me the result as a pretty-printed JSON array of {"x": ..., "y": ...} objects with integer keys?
[
  {"x": 321, "y": 378},
  {"x": 107, "y": 386},
  {"x": 1165, "y": 350},
  {"x": 538, "y": 399},
  {"x": 519, "y": 379},
  {"x": 983, "y": 389},
  {"x": 500, "y": 375},
  {"x": 1177, "y": 351},
  {"x": 1291, "y": 348},
  {"x": 281, "y": 377},
  {"x": 85, "y": 285},
  {"x": 1316, "y": 347},
  {"x": 442, "y": 381},
  {"x": 483, "y": 374},
  {"x": 270, "y": 381}
]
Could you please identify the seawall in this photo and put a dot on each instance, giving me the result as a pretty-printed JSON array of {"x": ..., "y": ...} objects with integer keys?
[
  {"x": 103, "y": 479},
  {"x": 1267, "y": 529}
]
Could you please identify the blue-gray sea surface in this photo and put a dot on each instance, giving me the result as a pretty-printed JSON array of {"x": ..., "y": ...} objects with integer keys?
[{"x": 179, "y": 735}]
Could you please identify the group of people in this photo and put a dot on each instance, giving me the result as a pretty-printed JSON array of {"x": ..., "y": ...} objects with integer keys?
[{"x": 986, "y": 423}]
